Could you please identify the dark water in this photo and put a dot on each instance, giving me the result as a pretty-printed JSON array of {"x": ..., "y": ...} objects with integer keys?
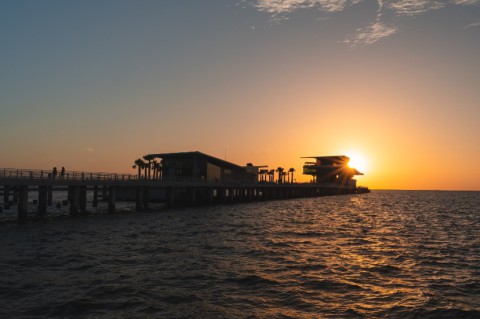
[{"x": 388, "y": 254}]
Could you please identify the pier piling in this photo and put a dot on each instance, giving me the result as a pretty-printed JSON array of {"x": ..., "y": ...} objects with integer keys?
[
  {"x": 139, "y": 199},
  {"x": 6, "y": 194},
  {"x": 112, "y": 194},
  {"x": 145, "y": 198},
  {"x": 15, "y": 195},
  {"x": 95, "y": 196},
  {"x": 42, "y": 200},
  {"x": 74, "y": 199},
  {"x": 22, "y": 192},
  {"x": 82, "y": 198},
  {"x": 49, "y": 195}
]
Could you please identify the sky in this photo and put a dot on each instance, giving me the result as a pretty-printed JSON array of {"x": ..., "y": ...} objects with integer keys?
[{"x": 93, "y": 85}]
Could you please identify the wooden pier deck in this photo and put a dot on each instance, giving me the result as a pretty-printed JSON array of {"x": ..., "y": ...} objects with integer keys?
[{"x": 15, "y": 185}]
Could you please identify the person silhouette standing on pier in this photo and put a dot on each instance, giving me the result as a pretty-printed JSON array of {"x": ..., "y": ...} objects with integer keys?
[
  {"x": 54, "y": 172},
  {"x": 62, "y": 173}
]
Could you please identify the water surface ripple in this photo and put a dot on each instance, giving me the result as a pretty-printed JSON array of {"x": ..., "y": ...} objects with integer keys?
[{"x": 387, "y": 254}]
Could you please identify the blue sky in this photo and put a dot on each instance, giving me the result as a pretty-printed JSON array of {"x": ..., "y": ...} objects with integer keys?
[{"x": 93, "y": 85}]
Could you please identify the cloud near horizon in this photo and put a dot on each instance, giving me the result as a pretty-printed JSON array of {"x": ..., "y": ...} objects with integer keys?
[
  {"x": 472, "y": 25},
  {"x": 376, "y": 30}
]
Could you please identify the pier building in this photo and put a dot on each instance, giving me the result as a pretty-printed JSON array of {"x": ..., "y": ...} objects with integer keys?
[
  {"x": 331, "y": 169},
  {"x": 197, "y": 166}
]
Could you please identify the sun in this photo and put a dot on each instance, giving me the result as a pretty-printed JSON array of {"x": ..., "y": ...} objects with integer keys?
[{"x": 358, "y": 161}]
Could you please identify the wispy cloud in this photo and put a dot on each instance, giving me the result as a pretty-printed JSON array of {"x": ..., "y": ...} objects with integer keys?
[
  {"x": 377, "y": 29},
  {"x": 466, "y": 2},
  {"x": 472, "y": 25},
  {"x": 285, "y": 6},
  {"x": 88, "y": 149},
  {"x": 414, "y": 7},
  {"x": 370, "y": 34}
]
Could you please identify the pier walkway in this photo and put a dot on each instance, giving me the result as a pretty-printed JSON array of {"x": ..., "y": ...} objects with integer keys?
[{"x": 15, "y": 185}]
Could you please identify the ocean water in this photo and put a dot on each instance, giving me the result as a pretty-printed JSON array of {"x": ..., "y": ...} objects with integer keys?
[{"x": 387, "y": 254}]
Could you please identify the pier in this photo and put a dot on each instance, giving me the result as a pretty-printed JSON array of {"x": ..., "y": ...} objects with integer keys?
[{"x": 16, "y": 184}]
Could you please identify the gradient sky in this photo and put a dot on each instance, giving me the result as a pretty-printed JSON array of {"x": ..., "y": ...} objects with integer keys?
[{"x": 93, "y": 85}]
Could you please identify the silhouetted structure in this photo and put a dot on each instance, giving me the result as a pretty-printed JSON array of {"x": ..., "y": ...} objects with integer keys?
[
  {"x": 188, "y": 178},
  {"x": 258, "y": 171},
  {"x": 331, "y": 169},
  {"x": 197, "y": 166}
]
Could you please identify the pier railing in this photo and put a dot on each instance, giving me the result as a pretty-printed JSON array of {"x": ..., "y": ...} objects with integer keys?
[
  {"x": 43, "y": 174},
  {"x": 36, "y": 174},
  {"x": 24, "y": 175}
]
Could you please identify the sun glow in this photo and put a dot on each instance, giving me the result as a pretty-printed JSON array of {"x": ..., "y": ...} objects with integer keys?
[{"x": 358, "y": 161}]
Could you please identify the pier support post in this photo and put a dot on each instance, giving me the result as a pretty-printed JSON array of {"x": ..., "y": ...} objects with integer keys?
[
  {"x": 112, "y": 196},
  {"x": 236, "y": 196},
  {"x": 145, "y": 198},
  {"x": 6, "y": 194},
  {"x": 170, "y": 197},
  {"x": 49, "y": 195},
  {"x": 222, "y": 192},
  {"x": 83, "y": 199},
  {"x": 42, "y": 200},
  {"x": 95, "y": 196},
  {"x": 104, "y": 192},
  {"x": 15, "y": 195},
  {"x": 242, "y": 194},
  {"x": 139, "y": 199},
  {"x": 193, "y": 195},
  {"x": 230, "y": 194},
  {"x": 74, "y": 199},
  {"x": 209, "y": 196},
  {"x": 249, "y": 194},
  {"x": 22, "y": 192}
]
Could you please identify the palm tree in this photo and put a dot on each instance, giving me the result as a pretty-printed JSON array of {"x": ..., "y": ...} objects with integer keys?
[
  {"x": 290, "y": 171},
  {"x": 154, "y": 169},
  {"x": 263, "y": 175},
  {"x": 140, "y": 165},
  {"x": 271, "y": 175},
  {"x": 148, "y": 166},
  {"x": 157, "y": 169},
  {"x": 280, "y": 174}
]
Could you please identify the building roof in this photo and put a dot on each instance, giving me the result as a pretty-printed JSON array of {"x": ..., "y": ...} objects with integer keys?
[
  {"x": 332, "y": 158},
  {"x": 358, "y": 172},
  {"x": 194, "y": 154}
]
